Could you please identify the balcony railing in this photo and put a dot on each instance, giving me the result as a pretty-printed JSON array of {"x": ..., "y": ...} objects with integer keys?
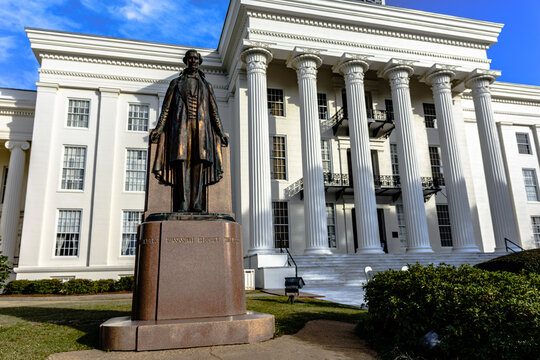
[
  {"x": 381, "y": 122},
  {"x": 383, "y": 182}
]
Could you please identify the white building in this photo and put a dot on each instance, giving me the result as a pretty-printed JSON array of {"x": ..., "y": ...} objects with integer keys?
[{"x": 320, "y": 97}]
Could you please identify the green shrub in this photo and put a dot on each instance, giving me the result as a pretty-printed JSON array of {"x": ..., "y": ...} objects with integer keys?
[
  {"x": 45, "y": 286},
  {"x": 528, "y": 261},
  {"x": 477, "y": 314},
  {"x": 125, "y": 283},
  {"x": 5, "y": 268},
  {"x": 17, "y": 287},
  {"x": 104, "y": 285},
  {"x": 80, "y": 286}
]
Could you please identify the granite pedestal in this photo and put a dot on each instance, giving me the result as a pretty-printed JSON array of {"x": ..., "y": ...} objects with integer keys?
[{"x": 189, "y": 279}]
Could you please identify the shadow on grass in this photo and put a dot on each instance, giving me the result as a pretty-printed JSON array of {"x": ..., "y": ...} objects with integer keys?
[
  {"x": 291, "y": 318},
  {"x": 84, "y": 320}
]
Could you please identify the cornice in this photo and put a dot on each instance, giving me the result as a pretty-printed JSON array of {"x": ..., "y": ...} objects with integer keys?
[
  {"x": 112, "y": 77},
  {"x": 103, "y": 76},
  {"x": 13, "y": 112},
  {"x": 366, "y": 46},
  {"x": 366, "y": 30},
  {"x": 497, "y": 99},
  {"x": 510, "y": 113},
  {"x": 127, "y": 63}
]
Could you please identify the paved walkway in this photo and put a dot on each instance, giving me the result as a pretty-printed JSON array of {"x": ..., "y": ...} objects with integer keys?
[
  {"x": 348, "y": 295},
  {"x": 318, "y": 340}
]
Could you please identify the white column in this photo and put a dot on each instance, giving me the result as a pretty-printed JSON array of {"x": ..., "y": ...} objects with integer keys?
[
  {"x": 316, "y": 231},
  {"x": 440, "y": 77},
  {"x": 261, "y": 239},
  {"x": 398, "y": 72},
  {"x": 502, "y": 214},
  {"x": 12, "y": 199},
  {"x": 364, "y": 188}
]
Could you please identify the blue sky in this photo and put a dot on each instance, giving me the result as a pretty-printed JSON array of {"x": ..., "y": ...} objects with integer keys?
[{"x": 199, "y": 23}]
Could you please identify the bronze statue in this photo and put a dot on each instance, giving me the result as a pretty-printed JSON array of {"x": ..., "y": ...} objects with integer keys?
[{"x": 189, "y": 137}]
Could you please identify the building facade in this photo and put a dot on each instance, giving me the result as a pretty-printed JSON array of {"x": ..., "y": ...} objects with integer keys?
[{"x": 355, "y": 127}]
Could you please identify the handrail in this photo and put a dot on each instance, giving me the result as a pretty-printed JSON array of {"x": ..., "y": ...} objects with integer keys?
[
  {"x": 506, "y": 241},
  {"x": 291, "y": 259}
]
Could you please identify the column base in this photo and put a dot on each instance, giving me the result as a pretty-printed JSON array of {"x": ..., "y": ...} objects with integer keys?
[
  {"x": 466, "y": 249},
  {"x": 500, "y": 250},
  {"x": 370, "y": 251},
  {"x": 422, "y": 250},
  {"x": 261, "y": 252},
  {"x": 316, "y": 251}
]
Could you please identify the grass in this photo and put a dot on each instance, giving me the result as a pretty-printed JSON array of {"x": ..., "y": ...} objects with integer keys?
[{"x": 34, "y": 332}]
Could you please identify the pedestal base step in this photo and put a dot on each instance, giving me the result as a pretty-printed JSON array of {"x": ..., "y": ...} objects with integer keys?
[{"x": 123, "y": 334}]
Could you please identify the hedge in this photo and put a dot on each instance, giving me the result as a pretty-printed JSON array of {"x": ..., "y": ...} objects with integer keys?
[
  {"x": 477, "y": 314},
  {"x": 73, "y": 286},
  {"x": 528, "y": 261}
]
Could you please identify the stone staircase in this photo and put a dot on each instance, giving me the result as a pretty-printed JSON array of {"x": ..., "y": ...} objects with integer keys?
[{"x": 348, "y": 270}]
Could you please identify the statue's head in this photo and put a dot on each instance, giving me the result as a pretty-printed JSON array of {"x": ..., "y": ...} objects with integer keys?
[{"x": 192, "y": 59}]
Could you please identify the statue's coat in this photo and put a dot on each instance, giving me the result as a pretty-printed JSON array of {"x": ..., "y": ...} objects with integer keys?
[{"x": 172, "y": 127}]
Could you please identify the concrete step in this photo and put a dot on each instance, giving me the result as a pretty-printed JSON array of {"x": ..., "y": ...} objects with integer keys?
[{"x": 348, "y": 270}]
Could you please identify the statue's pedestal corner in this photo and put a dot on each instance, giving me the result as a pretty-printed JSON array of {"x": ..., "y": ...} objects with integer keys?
[{"x": 123, "y": 334}]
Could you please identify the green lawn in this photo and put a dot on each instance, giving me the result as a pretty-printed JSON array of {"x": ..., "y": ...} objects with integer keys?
[{"x": 34, "y": 332}]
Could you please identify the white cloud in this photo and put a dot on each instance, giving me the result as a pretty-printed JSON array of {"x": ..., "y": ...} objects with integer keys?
[
  {"x": 7, "y": 44},
  {"x": 17, "y": 14}
]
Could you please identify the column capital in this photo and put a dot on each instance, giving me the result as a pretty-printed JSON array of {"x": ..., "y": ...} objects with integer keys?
[
  {"x": 481, "y": 78},
  {"x": 396, "y": 66},
  {"x": 301, "y": 58},
  {"x": 352, "y": 66},
  {"x": 49, "y": 87},
  {"x": 11, "y": 144},
  {"x": 109, "y": 91},
  {"x": 255, "y": 50},
  {"x": 439, "y": 74}
]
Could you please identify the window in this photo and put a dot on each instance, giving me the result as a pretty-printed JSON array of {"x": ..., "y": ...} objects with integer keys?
[
  {"x": 275, "y": 102},
  {"x": 402, "y": 227},
  {"x": 524, "y": 146},
  {"x": 278, "y": 158},
  {"x": 331, "y": 224},
  {"x": 78, "y": 111},
  {"x": 394, "y": 159},
  {"x": 130, "y": 221},
  {"x": 68, "y": 233},
  {"x": 531, "y": 184},
  {"x": 429, "y": 115},
  {"x": 73, "y": 168},
  {"x": 326, "y": 159},
  {"x": 389, "y": 107},
  {"x": 323, "y": 106},
  {"x": 4, "y": 183},
  {"x": 536, "y": 230},
  {"x": 138, "y": 117},
  {"x": 444, "y": 225},
  {"x": 281, "y": 224},
  {"x": 436, "y": 164},
  {"x": 136, "y": 170}
]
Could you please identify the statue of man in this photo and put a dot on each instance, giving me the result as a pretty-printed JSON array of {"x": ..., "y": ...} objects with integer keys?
[{"x": 189, "y": 137}]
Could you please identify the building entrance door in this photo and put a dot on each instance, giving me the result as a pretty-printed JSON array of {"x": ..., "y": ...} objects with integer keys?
[
  {"x": 382, "y": 232},
  {"x": 355, "y": 234}
]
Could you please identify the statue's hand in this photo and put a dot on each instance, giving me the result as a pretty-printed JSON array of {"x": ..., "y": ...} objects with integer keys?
[
  {"x": 154, "y": 136},
  {"x": 225, "y": 140}
]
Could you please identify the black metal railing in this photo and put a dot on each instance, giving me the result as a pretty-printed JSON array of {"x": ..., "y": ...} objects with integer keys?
[
  {"x": 290, "y": 259},
  {"x": 380, "y": 115},
  {"x": 380, "y": 181},
  {"x": 506, "y": 241}
]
